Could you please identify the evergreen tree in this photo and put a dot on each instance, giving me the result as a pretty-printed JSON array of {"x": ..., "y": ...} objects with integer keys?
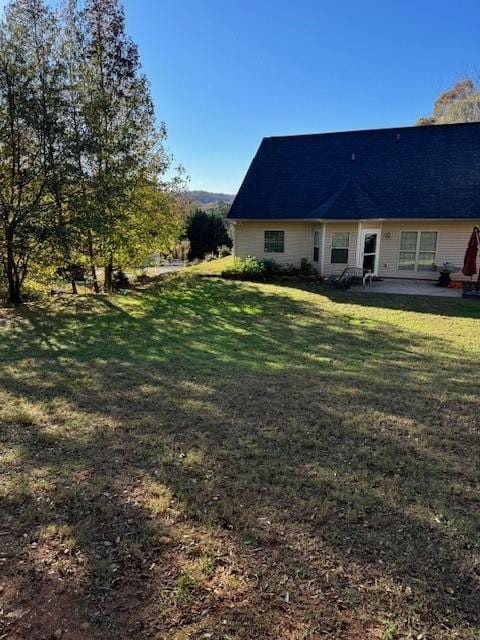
[
  {"x": 206, "y": 233},
  {"x": 124, "y": 146}
]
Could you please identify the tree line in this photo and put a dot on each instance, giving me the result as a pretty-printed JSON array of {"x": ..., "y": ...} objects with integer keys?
[{"x": 83, "y": 166}]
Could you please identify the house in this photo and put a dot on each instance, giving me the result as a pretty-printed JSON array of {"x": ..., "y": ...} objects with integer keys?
[{"x": 399, "y": 202}]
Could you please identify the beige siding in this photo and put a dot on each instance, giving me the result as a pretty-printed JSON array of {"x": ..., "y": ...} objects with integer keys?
[
  {"x": 249, "y": 241},
  {"x": 452, "y": 242},
  {"x": 330, "y": 229}
]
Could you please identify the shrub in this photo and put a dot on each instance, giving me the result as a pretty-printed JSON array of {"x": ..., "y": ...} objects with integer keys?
[
  {"x": 272, "y": 268},
  {"x": 306, "y": 268},
  {"x": 245, "y": 269},
  {"x": 142, "y": 279},
  {"x": 209, "y": 257},
  {"x": 254, "y": 269},
  {"x": 120, "y": 280},
  {"x": 224, "y": 251},
  {"x": 291, "y": 270}
]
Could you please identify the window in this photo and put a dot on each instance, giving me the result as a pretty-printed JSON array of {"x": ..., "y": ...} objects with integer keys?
[
  {"x": 408, "y": 251},
  {"x": 427, "y": 250},
  {"x": 316, "y": 246},
  {"x": 340, "y": 242},
  {"x": 417, "y": 250},
  {"x": 274, "y": 241}
]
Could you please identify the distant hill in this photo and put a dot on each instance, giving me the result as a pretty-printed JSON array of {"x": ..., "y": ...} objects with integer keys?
[{"x": 207, "y": 199}]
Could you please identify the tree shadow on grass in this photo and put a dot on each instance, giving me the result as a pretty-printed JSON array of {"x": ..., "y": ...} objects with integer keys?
[
  {"x": 78, "y": 544},
  {"x": 429, "y": 305},
  {"x": 308, "y": 452}
]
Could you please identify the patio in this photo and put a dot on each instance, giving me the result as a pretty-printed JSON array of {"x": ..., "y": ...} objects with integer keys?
[{"x": 407, "y": 287}]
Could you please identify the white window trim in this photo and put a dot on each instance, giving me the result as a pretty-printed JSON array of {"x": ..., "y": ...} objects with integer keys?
[
  {"x": 417, "y": 249},
  {"x": 322, "y": 257},
  {"x": 347, "y": 248},
  {"x": 362, "y": 232},
  {"x": 319, "y": 246},
  {"x": 275, "y": 253}
]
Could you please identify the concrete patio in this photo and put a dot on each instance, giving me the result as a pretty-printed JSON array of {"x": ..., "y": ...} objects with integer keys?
[{"x": 407, "y": 287}]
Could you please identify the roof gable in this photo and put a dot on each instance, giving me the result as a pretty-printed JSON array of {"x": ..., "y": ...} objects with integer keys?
[
  {"x": 409, "y": 172},
  {"x": 350, "y": 201}
]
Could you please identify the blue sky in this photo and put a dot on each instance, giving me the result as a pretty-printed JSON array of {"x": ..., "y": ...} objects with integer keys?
[{"x": 225, "y": 73}]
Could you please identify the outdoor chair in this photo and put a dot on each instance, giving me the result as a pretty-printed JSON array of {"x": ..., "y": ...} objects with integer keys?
[{"x": 351, "y": 275}]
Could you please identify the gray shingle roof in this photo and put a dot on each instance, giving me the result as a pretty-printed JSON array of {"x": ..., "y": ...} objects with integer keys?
[{"x": 407, "y": 172}]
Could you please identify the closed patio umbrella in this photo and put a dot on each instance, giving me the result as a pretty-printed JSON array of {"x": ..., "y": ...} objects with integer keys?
[{"x": 470, "y": 263}]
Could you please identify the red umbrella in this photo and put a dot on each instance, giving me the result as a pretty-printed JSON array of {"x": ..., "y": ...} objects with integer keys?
[{"x": 470, "y": 263}]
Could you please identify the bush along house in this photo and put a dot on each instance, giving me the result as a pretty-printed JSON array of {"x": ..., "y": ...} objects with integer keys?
[{"x": 400, "y": 203}]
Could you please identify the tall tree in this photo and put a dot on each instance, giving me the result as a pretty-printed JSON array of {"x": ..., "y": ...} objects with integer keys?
[
  {"x": 118, "y": 148},
  {"x": 206, "y": 233},
  {"x": 82, "y": 162},
  {"x": 81, "y": 145},
  {"x": 30, "y": 89}
]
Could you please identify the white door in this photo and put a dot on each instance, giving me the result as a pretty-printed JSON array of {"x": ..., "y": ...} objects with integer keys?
[{"x": 370, "y": 250}]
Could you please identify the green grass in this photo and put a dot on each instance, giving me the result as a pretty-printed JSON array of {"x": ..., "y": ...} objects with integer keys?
[
  {"x": 212, "y": 268},
  {"x": 213, "y": 459}
]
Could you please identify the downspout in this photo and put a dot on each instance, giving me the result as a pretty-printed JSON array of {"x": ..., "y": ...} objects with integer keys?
[
  {"x": 322, "y": 263},
  {"x": 358, "y": 257}
]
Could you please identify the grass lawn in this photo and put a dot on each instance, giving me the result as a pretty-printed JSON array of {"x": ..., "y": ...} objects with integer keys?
[
  {"x": 224, "y": 460},
  {"x": 213, "y": 268}
]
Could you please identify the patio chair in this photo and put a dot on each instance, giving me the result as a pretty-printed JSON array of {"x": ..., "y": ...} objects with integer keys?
[{"x": 349, "y": 276}]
